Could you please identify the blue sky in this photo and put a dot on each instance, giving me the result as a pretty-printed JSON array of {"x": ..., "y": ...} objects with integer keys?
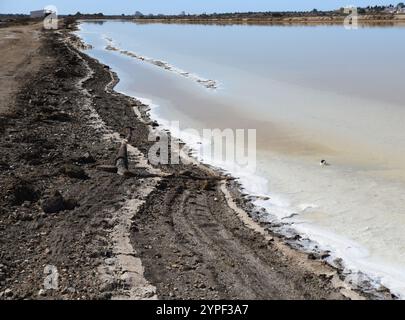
[{"x": 176, "y": 6}]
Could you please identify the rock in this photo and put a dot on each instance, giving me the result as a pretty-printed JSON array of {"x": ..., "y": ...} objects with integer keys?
[
  {"x": 59, "y": 116},
  {"x": 74, "y": 171},
  {"x": 162, "y": 185},
  {"x": 208, "y": 185},
  {"x": 108, "y": 285},
  {"x": 60, "y": 73},
  {"x": 111, "y": 169},
  {"x": 48, "y": 109},
  {"x": 318, "y": 256},
  {"x": 33, "y": 157},
  {"x": 324, "y": 254},
  {"x": 110, "y": 261},
  {"x": 71, "y": 290},
  {"x": 86, "y": 158},
  {"x": 105, "y": 296},
  {"x": 70, "y": 204},
  {"x": 383, "y": 288},
  {"x": 54, "y": 204},
  {"x": 42, "y": 292},
  {"x": 186, "y": 173},
  {"x": 313, "y": 256},
  {"x": 26, "y": 204},
  {"x": 57, "y": 203},
  {"x": 8, "y": 293},
  {"x": 24, "y": 191},
  {"x": 26, "y": 217},
  {"x": 189, "y": 268}
]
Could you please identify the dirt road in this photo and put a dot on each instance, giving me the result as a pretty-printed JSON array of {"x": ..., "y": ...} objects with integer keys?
[{"x": 19, "y": 57}]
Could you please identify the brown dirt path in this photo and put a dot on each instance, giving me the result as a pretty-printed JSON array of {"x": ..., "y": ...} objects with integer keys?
[{"x": 19, "y": 57}]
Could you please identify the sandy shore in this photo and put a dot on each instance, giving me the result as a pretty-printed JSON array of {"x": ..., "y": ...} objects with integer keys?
[{"x": 168, "y": 232}]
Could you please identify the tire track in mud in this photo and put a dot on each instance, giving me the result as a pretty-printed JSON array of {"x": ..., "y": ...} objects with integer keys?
[
  {"x": 193, "y": 246},
  {"x": 122, "y": 273}
]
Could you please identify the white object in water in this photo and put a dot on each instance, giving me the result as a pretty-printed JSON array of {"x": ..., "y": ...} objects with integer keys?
[{"x": 324, "y": 163}]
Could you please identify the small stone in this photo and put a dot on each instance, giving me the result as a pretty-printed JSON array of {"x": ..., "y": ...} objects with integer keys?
[
  {"x": 74, "y": 171},
  {"x": 324, "y": 254},
  {"x": 59, "y": 116},
  {"x": 109, "y": 261},
  {"x": 85, "y": 158},
  {"x": 57, "y": 203},
  {"x": 42, "y": 292},
  {"x": 54, "y": 204},
  {"x": 105, "y": 296},
  {"x": 71, "y": 290},
  {"x": 26, "y": 204},
  {"x": 70, "y": 204},
  {"x": 313, "y": 256},
  {"x": 106, "y": 168},
  {"x": 24, "y": 191},
  {"x": 8, "y": 293}
]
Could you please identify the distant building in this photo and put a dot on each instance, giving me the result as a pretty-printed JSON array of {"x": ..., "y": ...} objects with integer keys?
[
  {"x": 390, "y": 9},
  {"x": 40, "y": 13}
]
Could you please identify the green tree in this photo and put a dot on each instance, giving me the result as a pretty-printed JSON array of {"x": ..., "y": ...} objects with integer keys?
[{"x": 138, "y": 14}]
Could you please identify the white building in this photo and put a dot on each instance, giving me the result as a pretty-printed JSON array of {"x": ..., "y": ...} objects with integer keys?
[{"x": 40, "y": 13}]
